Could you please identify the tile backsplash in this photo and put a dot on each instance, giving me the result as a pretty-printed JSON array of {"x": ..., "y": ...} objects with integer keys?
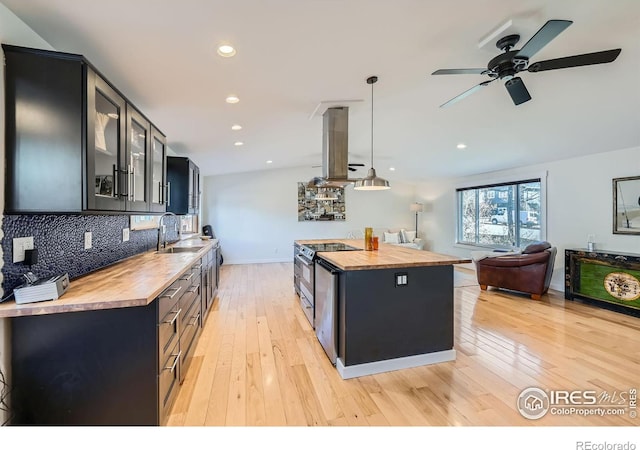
[{"x": 59, "y": 240}]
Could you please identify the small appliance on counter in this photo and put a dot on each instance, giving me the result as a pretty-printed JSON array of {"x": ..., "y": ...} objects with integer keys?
[{"x": 39, "y": 290}]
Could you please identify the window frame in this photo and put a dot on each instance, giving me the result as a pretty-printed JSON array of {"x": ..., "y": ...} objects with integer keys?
[{"x": 496, "y": 182}]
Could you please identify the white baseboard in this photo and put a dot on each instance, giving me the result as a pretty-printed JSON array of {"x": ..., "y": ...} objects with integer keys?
[
  {"x": 257, "y": 261},
  {"x": 360, "y": 370}
]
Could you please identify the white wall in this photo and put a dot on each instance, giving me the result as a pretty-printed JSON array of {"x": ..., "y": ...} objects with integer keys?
[
  {"x": 255, "y": 214},
  {"x": 579, "y": 202},
  {"x": 12, "y": 31}
]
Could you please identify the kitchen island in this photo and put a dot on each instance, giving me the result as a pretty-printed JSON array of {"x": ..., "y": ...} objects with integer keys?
[{"x": 394, "y": 307}]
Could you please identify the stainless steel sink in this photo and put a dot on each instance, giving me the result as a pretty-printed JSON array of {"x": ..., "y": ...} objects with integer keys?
[{"x": 180, "y": 250}]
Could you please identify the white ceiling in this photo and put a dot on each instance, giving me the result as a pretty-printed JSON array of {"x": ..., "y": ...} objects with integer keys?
[{"x": 294, "y": 54}]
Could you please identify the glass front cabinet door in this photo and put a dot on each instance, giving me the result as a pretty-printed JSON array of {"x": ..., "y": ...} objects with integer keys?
[
  {"x": 158, "y": 170},
  {"x": 106, "y": 159},
  {"x": 138, "y": 142}
]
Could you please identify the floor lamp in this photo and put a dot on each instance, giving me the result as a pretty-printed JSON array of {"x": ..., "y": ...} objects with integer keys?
[{"x": 417, "y": 208}]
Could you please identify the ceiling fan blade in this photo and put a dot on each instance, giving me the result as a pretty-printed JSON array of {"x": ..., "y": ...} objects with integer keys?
[
  {"x": 517, "y": 90},
  {"x": 586, "y": 59},
  {"x": 466, "y": 93},
  {"x": 543, "y": 36},
  {"x": 459, "y": 72}
]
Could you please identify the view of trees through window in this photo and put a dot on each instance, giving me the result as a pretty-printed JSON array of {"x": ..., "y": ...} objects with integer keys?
[{"x": 500, "y": 215}]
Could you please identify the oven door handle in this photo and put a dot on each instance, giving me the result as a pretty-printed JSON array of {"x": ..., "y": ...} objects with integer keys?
[{"x": 303, "y": 261}]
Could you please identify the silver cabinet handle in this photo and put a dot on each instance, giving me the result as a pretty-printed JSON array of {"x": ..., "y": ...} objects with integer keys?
[
  {"x": 195, "y": 321},
  {"x": 176, "y": 290},
  {"x": 116, "y": 183},
  {"x": 193, "y": 289},
  {"x": 187, "y": 278},
  {"x": 132, "y": 185},
  {"x": 168, "y": 193},
  {"x": 175, "y": 317},
  {"x": 175, "y": 362},
  {"x": 160, "y": 199}
]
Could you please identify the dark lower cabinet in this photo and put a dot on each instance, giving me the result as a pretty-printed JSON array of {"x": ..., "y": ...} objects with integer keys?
[
  {"x": 120, "y": 366},
  {"x": 210, "y": 271},
  {"x": 381, "y": 320},
  {"x": 190, "y": 306},
  {"x": 86, "y": 368}
]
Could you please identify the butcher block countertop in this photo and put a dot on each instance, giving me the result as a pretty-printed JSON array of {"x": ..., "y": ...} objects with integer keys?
[
  {"x": 387, "y": 256},
  {"x": 135, "y": 281}
]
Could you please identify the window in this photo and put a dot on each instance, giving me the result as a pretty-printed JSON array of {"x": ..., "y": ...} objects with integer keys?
[{"x": 500, "y": 215}]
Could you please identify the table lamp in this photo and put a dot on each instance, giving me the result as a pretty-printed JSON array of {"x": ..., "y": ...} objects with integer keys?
[{"x": 417, "y": 208}]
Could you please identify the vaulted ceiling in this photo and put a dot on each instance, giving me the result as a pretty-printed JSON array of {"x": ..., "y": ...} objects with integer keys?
[{"x": 295, "y": 57}]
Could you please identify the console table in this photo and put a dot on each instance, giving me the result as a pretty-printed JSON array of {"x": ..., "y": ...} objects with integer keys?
[{"x": 607, "y": 279}]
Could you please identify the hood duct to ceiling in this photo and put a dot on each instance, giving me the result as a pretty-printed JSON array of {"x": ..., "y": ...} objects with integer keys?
[{"x": 335, "y": 155}]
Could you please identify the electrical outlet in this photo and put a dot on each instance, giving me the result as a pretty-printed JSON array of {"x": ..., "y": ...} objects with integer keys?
[
  {"x": 125, "y": 234},
  {"x": 19, "y": 246},
  {"x": 87, "y": 240},
  {"x": 401, "y": 279}
]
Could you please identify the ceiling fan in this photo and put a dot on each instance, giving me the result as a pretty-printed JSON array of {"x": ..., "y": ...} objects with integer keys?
[{"x": 506, "y": 65}]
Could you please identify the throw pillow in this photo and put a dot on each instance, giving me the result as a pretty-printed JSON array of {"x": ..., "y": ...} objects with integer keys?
[
  {"x": 392, "y": 238},
  {"x": 536, "y": 247},
  {"x": 403, "y": 236},
  {"x": 410, "y": 235}
]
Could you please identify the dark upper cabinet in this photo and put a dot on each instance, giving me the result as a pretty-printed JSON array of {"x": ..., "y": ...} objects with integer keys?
[
  {"x": 106, "y": 150},
  {"x": 73, "y": 141},
  {"x": 183, "y": 181},
  {"x": 158, "y": 171},
  {"x": 138, "y": 155}
]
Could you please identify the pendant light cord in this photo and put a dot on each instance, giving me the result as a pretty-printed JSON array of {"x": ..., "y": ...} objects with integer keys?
[{"x": 372, "y": 124}]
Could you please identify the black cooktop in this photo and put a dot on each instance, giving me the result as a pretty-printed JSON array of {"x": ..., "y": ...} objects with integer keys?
[{"x": 330, "y": 247}]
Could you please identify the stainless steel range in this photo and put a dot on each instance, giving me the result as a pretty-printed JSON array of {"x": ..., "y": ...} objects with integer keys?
[{"x": 304, "y": 272}]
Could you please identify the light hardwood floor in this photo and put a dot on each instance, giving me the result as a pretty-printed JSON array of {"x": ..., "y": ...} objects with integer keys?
[{"x": 258, "y": 362}]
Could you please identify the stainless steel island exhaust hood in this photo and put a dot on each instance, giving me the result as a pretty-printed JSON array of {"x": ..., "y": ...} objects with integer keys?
[{"x": 335, "y": 155}]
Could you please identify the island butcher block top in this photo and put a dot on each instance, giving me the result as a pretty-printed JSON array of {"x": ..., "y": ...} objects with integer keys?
[
  {"x": 388, "y": 256},
  {"x": 135, "y": 281}
]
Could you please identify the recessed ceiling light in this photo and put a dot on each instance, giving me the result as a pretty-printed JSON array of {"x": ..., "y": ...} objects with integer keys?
[
  {"x": 236, "y": 127},
  {"x": 392, "y": 168},
  {"x": 461, "y": 146},
  {"x": 238, "y": 143},
  {"x": 269, "y": 162},
  {"x": 226, "y": 50},
  {"x": 232, "y": 99}
]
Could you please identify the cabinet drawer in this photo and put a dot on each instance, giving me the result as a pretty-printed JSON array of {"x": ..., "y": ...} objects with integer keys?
[
  {"x": 188, "y": 302},
  {"x": 168, "y": 299},
  {"x": 196, "y": 273},
  {"x": 168, "y": 332},
  {"x": 188, "y": 339},
  {"x": 169, "y": 380}
]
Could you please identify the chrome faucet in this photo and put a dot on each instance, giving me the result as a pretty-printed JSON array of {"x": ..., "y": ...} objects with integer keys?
[{"x": 162, "y": 232}]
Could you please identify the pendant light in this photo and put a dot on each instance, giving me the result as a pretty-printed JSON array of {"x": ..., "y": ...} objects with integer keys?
[{"x": 371, "y": 182}]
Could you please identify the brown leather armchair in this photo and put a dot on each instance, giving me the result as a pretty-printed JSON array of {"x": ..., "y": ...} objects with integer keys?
[{"x": 528, "y": 272}]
